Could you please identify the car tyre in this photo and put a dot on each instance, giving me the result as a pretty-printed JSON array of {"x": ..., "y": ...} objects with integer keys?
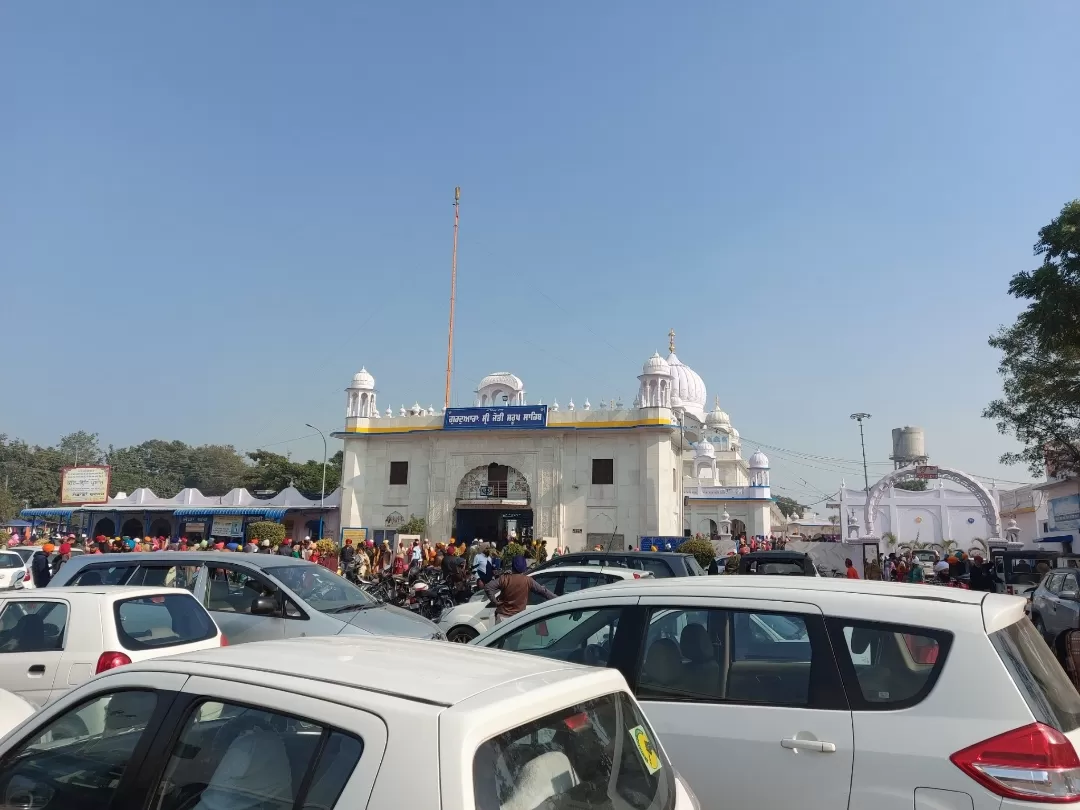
[{"x": 461, "y": 634}]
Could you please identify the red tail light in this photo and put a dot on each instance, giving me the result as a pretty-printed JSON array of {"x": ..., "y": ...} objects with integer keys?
[
  {"x": 110, "y": 660},
  {"x": 224, "y": 641},
  {"x": 26, "y": 576},
  {"x": 1035, "y": 763},
  {"x": 637, "y": 576}
]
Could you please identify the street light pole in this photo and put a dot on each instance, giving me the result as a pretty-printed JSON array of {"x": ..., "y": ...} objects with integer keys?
[
  {"x": 322, "y": 492},
  {"x": 859, "y": 417}
]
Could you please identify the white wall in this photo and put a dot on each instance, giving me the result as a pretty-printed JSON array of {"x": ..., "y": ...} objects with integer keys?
[{"x": 643, "y": 501}]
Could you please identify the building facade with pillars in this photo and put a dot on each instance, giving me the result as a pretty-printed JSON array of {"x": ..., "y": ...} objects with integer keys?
[{"x": 577, "y": 475}]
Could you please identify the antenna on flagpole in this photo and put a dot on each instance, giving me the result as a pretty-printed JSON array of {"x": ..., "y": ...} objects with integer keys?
[{"x": 453, "y": 295}]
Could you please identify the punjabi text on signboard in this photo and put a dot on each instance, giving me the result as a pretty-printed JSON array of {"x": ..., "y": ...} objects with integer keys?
[
  {"x": 79, "y": 485},
  {"x": 358, "y": 536},
  {"x": 227, "y": 526},
  {"x": 499, "y": 417}
]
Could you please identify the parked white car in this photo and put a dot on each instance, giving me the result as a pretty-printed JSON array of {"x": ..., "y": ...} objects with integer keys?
[
  {"x": 462, "y": 623},
  {"x": 13, "y": 571},
  {"x": 13, "y": 710},
  {"x": 53, "y": 639},
  {"x": 830, "y": 694},
  {"x": 343, "y": 722},
  {"x": 26, "y": 553}
]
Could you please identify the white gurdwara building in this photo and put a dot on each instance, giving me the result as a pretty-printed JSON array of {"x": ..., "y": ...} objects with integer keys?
[{"x": 580, "y": 476}]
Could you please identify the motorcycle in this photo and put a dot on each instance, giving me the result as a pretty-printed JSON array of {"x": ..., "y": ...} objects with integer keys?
[{"x": 428, "y": 600}]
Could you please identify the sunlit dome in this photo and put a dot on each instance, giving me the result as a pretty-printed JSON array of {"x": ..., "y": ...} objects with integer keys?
[
  {"x": 759, "y": 461},
  {"x": 511, "y": 381},
  {"x": 717, "y": 418},
  {"x": 656, "y": 365},
  {"x": 362, "y": 379}
]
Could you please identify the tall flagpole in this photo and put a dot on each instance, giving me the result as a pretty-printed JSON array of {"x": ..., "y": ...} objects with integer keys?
[{"x": 453, "y": 294}]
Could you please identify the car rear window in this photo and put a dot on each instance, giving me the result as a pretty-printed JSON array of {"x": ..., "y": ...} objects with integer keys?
[
  {"x": 598, "y": 754},
  {"x": 168, "y": 620},
  {"x": 892, "y": 666},
  {"x": 1046, "y": 688}
]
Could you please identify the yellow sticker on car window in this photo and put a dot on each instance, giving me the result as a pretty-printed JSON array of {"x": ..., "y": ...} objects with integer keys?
[{"x": 646, "y": 749}]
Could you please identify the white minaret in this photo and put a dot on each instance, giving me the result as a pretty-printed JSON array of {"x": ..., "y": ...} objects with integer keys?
[
  {"x": 759, "y": 474},
  {"x": 360, "y": 396},
  {"x": 655, "y": 379}
]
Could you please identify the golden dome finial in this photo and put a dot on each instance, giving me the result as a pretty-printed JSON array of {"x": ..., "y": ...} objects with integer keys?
[{"x": 671, "y": 341}]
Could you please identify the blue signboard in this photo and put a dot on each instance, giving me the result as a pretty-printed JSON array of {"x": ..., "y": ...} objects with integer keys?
[{"x": 499, "y": 417}]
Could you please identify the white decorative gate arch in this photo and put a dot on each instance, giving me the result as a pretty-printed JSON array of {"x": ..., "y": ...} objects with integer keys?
[{"x": 982, "y": 494}]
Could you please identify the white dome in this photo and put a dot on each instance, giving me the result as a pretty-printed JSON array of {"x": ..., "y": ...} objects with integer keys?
[
  {"x": 759, "y": 461},
  {"x": 704, "y": 449},
  {"x": 362, "y": 379},
  {"x": 716, "y": 417},
  {"x": 656, "y": 365},
  {"x": 687, "y": 386},
  {"x": 502, "y": 378}
]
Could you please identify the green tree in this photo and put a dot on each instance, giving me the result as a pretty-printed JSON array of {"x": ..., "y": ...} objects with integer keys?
[
  {"x": 160, "y": 465},
  {"x": 1040, "y": 365},
  {"x": 414, "y": 525},
  {"x": 80, "y": 448},
  {"x": 266, "y": 530},
  {"x": 789, "y": 506},
  {"x": 702, "y": 550},
  {"x": 214, "y": 469},
  {"x": 912, "y": 485}
]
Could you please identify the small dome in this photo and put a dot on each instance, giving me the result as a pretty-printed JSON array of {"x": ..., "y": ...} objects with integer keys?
[
  {"x": 759, "y": 461},
  {"x": 511, "y": 381},
  {"x": 704, "y": 449},
  {"x": 656, "y": 365},
  {"x": 362, "y": 379},
  {"x": 716, "y": 417}
]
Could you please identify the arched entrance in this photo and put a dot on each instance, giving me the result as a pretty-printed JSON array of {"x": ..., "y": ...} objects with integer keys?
[
  {"x": 982, "y": 494},
  {"x": 104, "y": 527},
  {"x": 493, "y": 504},
  {"x": 738, "y": 529},
  {"x": 160, "y": 528},
  {"x": 132, "y": 528}
]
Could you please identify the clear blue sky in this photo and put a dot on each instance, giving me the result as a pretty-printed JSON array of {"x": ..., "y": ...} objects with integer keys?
[{"x": 212, "y": 213}]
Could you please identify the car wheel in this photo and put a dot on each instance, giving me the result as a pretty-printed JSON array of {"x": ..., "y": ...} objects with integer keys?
[{"x": 461, "y": 635}]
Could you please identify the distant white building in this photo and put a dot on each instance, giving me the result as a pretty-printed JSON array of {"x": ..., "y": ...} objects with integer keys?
[
  {"x": 941, "y": 512},
  {"x": 578, "y": 474}
]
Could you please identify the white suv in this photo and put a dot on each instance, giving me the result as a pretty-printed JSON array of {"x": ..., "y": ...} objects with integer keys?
[{"x": 830, "y": 694}]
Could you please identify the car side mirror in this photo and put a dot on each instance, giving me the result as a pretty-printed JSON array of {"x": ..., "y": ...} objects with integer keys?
[
  {"x": 265, "y": 606},
  {"x": 1070, "y": 596}
]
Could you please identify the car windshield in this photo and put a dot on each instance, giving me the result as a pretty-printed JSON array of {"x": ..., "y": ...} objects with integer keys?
[
  {"x": 924, "y": 556},
  {"x": 10, "y": 561},
  {"x": 321, "y": 589},
  {"x": 26, "y": 552}
]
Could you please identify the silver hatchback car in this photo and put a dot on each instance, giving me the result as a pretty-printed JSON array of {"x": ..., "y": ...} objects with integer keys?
[{"x": 254, "y": 597}]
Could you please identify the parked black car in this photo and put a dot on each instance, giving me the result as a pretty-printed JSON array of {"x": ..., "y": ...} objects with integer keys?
[
  {"x": 660, "y": 563},
  {"x": 778, "y": 563}
]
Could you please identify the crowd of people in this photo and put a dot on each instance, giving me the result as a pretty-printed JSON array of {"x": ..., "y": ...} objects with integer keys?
[{"x": 957, "y": 570}]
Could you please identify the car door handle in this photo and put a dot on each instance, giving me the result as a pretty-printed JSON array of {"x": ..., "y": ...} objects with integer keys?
[
  {"x": 809, "y": 745},
  {"x": 37, "y": 669}
]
